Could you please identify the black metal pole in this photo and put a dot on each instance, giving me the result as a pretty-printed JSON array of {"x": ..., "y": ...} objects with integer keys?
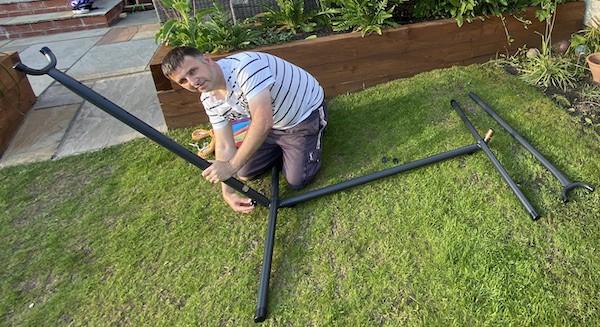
[
  {"x": 495, "y": 161},
  {"x": 261, "y": 307},
  {"x": 378, "y": 175},
  {"x": 132, "y": 121},
  {"x": 566, "y": 182}
]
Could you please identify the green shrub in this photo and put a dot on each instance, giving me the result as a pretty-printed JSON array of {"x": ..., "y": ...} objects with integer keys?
[
  {"x": 269, "y": 35},
  {"x": 546, "y": 68},
  {"x": 363, "y": 15},
  {"x": 216, "y": 34},
  {"x": 184, "y": 30},
  {"x": 547, "y": 71},
  {"x": 466, "y": 10},
  {"x": 585, "y": 41},
  {"x": 291, "y": 16}
]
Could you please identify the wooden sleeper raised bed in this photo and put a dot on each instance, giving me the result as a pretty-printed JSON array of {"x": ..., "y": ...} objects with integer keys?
[
  {"x": 16, "y": 98},
  {"x": 348, "y": 62}
]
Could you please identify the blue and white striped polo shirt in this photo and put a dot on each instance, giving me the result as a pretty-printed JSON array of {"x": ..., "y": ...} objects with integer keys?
[{"x": 294, "y": 92}]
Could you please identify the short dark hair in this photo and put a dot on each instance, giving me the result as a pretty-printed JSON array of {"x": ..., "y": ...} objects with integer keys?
[{"x": 174, "y": 58}]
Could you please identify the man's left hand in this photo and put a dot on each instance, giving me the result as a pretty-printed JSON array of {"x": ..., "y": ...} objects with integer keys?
[{"x": 219, "y": 171}]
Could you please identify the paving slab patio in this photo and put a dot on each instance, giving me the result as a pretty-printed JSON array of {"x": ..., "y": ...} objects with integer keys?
[
  {"x": 58, "y": 95},
  {"x": 93, "y": 129},
  {"x": 114, "y": 59},
  {"x": 73, "y": 36},
  {"x": 66, "y": 53},
  {"x": 147, "y": 32},
  {"x": 119, "y": 34},
  {"x": 61, "y": 123},
  {"x": 39, "y": 136}
]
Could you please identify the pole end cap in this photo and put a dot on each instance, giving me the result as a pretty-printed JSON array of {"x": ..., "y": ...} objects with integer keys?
[{"x": 260, "y": 314}]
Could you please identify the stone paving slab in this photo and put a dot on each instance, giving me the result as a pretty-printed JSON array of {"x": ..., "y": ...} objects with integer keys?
[
  {"x": 147, "y": 32},
  {"x": 66, "y": 56},
  {"x": 39, "y": 83},
  {"x": 39, "y": 136},
  {"x": 67, "y": 52},
  {"x": 139, "y": 18},
  {"x": 74, "y": 36},
  {"x": 93, "y": 129},
  {"x": 119, "y": 34},
  {"x": 58, "y": 95},
  {"x": 114, "y": 59}
]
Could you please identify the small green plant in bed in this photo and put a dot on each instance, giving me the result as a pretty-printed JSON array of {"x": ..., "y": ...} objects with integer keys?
[
  {"x": 546, "y": 67},
  {"x": 217, "y": 33},
  {"x": 363, "y": 16},
  {"x": 550, "y": 71},
  {"x": 587, "y": 40},
  {"x": 290, "y": 15}
]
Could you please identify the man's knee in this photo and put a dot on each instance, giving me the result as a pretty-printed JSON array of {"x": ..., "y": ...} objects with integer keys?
[
  {"x": 246, "y": 178},
  {"x": 298, "y": 186},
  {"x": 298, "y": 181}
]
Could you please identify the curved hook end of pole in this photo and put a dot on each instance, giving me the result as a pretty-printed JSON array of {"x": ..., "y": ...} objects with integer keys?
[
  {"x": 572, "y": 186},
  {"x": 30, "y": 71}
]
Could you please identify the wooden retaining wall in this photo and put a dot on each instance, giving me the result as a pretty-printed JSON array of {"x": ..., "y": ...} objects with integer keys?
[
  {"x": 349, "y": 63},
  {"x": 16, "y": 98}
]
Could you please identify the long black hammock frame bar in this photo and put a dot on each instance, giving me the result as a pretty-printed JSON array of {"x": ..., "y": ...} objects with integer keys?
[{"x": 274, "y": 203}]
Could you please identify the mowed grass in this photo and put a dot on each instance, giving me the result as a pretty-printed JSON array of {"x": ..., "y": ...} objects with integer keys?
[{"x": 132, "y": 235}]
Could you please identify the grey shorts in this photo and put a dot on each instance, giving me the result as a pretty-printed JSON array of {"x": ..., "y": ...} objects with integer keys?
[{"x": 300, "y": 147}]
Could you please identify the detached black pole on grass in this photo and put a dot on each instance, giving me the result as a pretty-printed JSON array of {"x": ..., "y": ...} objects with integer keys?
[
  {"x": 495, "y": 161},
  {"x": 261, "y": 307},
  {"x": 132, "y": 121},
  {"x": 566, "y": 182},
  {"x": 378, "y": 175}
]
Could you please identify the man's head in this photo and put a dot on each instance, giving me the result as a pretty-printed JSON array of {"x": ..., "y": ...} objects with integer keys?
[
  {"x": 191, "y": 69},
  {"x": 174, "y": 58}
]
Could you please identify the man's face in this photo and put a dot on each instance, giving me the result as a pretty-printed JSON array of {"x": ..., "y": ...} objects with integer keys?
[{"x": 195, "y": 75}]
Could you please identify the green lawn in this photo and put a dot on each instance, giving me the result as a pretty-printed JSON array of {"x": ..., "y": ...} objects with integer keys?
[{"x": 132, "y": 235}]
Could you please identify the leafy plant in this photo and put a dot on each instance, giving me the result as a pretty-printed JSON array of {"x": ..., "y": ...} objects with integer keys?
[
  {"x": 545, "y": 70},
  {"x": 456, "y": 9},
  {"x": 467, "y": 10},
  {"x": 185, "y": 28},
  {"x": 221, "y": 34},
  {"x": 462, "y": 10},
  {"x": 269, "y": 35},
  {"x": 363, "y": 15},
  {"x": 218, "y": 33},
  {"x": 290, "y": 15},
  {"x": 585, "y": 41}
]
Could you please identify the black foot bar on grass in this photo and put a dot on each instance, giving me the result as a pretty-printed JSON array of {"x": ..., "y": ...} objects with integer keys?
[
  {"x": 495, "y": 161},
  {"x": 261, "y": 307},
  {"x": 132, "y": 121},
  {"x": 469, "y": 149},
  {"x": 566, "y": 182}
]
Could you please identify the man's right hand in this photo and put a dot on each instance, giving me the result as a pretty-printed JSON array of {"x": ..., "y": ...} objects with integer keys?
[{"x": 237, "y": 202}]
